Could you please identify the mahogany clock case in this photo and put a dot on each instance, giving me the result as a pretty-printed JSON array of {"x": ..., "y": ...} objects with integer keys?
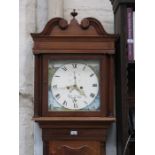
[
  {"x": 105, "y": 81},
  {"x": 74, "y": 132},
  {"x": 62, "y": 41}
]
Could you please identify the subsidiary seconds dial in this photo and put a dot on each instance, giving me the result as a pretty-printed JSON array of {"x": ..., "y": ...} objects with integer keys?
[{"x": 74, "y": 86}]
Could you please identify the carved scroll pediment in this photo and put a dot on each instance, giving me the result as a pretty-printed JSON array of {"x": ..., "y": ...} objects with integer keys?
[
  {"x": 59, "y": 34},
  {"x": 60, "y": 27}
]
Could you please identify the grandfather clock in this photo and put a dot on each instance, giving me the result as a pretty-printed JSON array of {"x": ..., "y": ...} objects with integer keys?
[{"x": 74, "y": 86}]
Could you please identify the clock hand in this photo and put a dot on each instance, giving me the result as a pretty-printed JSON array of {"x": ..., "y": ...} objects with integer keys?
[
  {"x": 83, "y": 93},
  {"x": 80, "y": 91},
  {"x": 74, "y": 78},
  {"x": 71, "y": 88},
  {"x": 62, "y": 88},
  {"x": 66, "y": 87},
  {"x": 76, "y": 87}
]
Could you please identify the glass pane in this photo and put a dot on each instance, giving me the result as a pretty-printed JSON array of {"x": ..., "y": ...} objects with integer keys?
[{"x": 73, "y": 85}]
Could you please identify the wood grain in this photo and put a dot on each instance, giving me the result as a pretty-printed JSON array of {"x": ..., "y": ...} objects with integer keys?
[{"x": 61, "y": 40}]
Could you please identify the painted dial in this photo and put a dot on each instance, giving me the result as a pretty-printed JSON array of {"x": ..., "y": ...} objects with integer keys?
[{"x": 74, "y": 86}]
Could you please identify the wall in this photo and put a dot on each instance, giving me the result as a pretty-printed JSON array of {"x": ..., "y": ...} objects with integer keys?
[
  {"x": 100, "y": 9},
  {"x": 26, "y": 69},
  {"x": 34, "y": 14}
]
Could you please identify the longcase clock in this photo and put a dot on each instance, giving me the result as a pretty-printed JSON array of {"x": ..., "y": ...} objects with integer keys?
[{"x": 74, "y": 86}]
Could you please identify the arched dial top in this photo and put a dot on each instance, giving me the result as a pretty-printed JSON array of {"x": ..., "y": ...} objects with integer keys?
[{"x": 74, "y": 85}]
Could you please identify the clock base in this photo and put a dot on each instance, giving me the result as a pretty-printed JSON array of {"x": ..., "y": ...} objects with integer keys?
[
  {"x": 74, "y": 148},
  {"x": 71, "y": 136}
]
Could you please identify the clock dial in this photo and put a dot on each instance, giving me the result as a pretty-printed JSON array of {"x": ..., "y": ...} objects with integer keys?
[{"x": 74, "y": 85}]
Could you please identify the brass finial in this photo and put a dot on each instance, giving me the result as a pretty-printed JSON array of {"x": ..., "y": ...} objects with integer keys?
[{"x": 74, "y": 13}]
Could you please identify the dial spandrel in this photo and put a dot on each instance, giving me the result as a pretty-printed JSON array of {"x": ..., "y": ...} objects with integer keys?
[{"x": 73, "y": 85}]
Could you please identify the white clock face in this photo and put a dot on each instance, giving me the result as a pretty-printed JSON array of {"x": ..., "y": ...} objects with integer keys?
[{"x": 74, "y": 85}]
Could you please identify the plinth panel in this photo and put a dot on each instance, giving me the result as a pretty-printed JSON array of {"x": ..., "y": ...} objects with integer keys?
[{"x": 74, "y": 148}]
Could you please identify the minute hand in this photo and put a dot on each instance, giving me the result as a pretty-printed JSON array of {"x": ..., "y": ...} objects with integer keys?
[{"x": 74, "y": 78}]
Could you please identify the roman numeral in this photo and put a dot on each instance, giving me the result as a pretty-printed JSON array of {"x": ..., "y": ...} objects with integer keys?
[
  {"x": 84, "y": 68},
  {"x": 56, "y": 76},
  {"x": 64, "y": 68},
  {"x": 65, "y": 103},
  {"x": 94, "y": 85},
  {"x": 92, "y": 75},
  {"x": 57, "y": 96},
  {"x": 74, "y": 65},
  {"x": 74, "y": 100},
  {"x": 92, "y": 95},
  {"x": 75, "y": 105}
]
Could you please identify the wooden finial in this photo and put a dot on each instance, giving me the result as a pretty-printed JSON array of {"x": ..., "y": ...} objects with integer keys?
[{"x": 74, "y": 13}]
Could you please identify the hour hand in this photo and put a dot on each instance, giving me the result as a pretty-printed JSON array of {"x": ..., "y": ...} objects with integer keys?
[
  {"x": 77, "y": 89},
  {"x": 65, "y": 87},
  {"x": 71, "y": 88},
  {"x": 81, "y": 91},
  {"x": 74, "y": 78}
]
